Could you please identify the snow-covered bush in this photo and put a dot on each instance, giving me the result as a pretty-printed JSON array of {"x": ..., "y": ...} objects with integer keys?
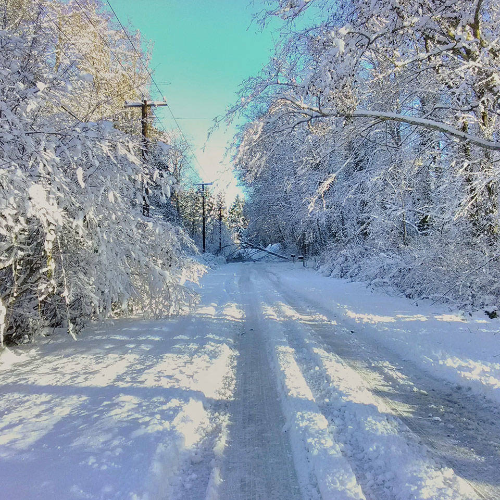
[{"x": 73, "y": 242}]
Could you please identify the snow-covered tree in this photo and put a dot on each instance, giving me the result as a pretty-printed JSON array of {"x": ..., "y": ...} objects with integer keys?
[
  {"x": 236, "y": 220},
  {"x": 73, "y": 242},
  {"x": 373, "y": 139}
]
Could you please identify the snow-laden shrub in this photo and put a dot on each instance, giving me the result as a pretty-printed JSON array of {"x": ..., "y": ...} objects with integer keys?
[
  {"x": 73, "y": 242},
  {"x": 436, "y": 271}
]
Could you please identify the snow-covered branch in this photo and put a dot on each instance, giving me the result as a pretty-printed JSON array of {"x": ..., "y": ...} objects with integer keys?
[
  {"x": 428, "y": 124},
  {"x": 75, "y": 243},
  {"x": 377, "y": 148}
]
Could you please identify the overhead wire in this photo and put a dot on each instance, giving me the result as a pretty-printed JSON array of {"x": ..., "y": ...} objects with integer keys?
[
  {"x": 111, "y": 97},
  {"x": 185, "y": 140},
  {"x": 107, "y": 43},
  {"x": 188, "y": 145},
  {"x": 67, "y": 110},
  {"x": 126, "y": 73},
  {"x": 164, "y": 130},
  {"x": 133, "y": 87},
  {"x": 189, "y": 165},
  {"x": 132, "y": 84}
]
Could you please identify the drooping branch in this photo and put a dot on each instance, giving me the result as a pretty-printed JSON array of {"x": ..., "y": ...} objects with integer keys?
[
  {"x": 428, "y": 124},
  {"x": 312, "y": 112}
]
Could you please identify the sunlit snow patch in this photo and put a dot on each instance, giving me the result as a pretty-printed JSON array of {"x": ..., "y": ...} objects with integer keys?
[
  {"x": 315, "y": 453},
  {"x": 370, "y": 318}
]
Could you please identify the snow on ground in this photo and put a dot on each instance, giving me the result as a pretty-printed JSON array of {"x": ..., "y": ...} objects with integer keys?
[
  {"x": 126, "y": 412},
  {"x": 387, "y": 459},
  {"x": 461, "y": 348},
  {"x": 282, "y": 384},
  {"x": 362, "y": 448}
]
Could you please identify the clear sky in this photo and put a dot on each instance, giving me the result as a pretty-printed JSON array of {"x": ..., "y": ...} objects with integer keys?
[{"x": 202, "y": 51}]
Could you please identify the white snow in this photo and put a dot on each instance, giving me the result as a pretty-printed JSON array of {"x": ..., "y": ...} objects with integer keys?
[
  {"x": 119, "y": 414},
  {"x": 430, "y": 124},
  {"x": 363, "y": 427},
  {"x": 449, "y": 344},
  {"x": 149, "y": 410},
  {"x": 315, "y": 451}
]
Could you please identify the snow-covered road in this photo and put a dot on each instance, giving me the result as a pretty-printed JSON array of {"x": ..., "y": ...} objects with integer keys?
[{"x": 282, "y": 384}]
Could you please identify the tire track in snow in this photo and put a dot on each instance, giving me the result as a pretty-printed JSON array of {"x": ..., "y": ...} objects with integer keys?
[
  {"x": 256, "y": 463},
  {"x": 323, "y": 471},
  {"x": 459, "y": 428},
  {"x": 323, "y": 329}
]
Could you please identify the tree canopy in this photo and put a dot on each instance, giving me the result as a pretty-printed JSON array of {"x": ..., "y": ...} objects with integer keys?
[
  {"x": 372, "y": 140},
  {"x": 74, "y": 244}
]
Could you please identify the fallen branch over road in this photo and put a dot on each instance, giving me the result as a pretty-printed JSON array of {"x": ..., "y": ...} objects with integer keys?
[{"x": 257, "y": 247}]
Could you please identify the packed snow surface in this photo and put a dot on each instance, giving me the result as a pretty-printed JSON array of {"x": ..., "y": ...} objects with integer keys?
[{"x": 281, "y": 384}]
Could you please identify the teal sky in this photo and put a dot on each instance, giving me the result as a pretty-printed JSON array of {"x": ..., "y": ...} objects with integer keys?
[{"x": 202, "y": 51}]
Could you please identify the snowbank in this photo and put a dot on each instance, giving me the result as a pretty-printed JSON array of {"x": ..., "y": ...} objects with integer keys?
[
  {"x": 8, "y": 358},
  {"x": 462, "y": 348}
]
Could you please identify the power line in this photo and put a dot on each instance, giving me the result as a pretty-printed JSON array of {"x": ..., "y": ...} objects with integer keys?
[
  {"x": 132, "y": 84},
  {"x": 91, "y": 63},
  {"x": 158, "y": 88},
  {"x": 107, "y": 44},
  {"x": 185, "y": 140},
  {"x": 203, "y": 184},
  {"x": 199, "y": 119},
  {"x": 136, "y": 51},
  {"x": 163, "y": 129},
  {"x": 132, "y": 87}
]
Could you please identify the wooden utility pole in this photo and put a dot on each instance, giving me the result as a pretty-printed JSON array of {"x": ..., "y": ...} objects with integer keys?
[
  {"x": 220, "y": 208},
  {"x": 203, "y": 184},
  {"x": 145, "y": 105},
  {"x": 220, "y": 229}
]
